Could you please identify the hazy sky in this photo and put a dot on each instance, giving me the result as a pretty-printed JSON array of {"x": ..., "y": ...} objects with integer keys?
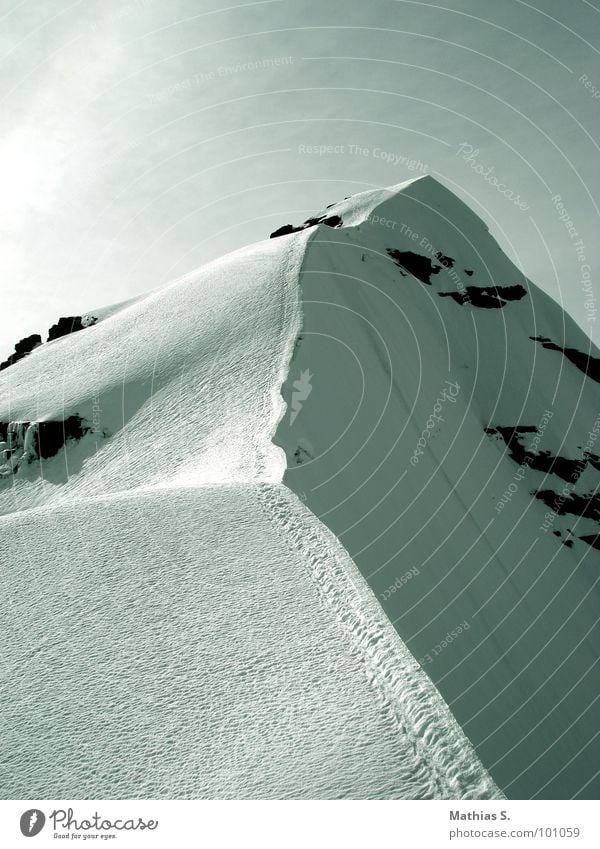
[{"x": 140, "y": 139}]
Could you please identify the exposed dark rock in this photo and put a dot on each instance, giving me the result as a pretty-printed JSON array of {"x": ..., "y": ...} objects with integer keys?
[
  {"x": 476, "y": 298},
  {"x": 588, "y": 365},
  {"x": 328, "y": 220},
  {"x": 25, "y": 346},
  {"x": 302, "y": 455},
  {"x": 64, "y": 326},
  {"x": 418, "y": 265},
  {"x": 446, "y": 261},
  {"x": 469, "y": 272},
  {"x": 284, "y": 231},
  {"x": 544, "y": 461},
  {"x": 593, "y": 460},
  {"x": 22, "y": 348},
  {"x": 51, "y": 436},
  {"x": 587, "y": 506},
  {"x": 592, "y": 539},
  {"x": 27, "y": 442},
  {"x": 69, "y": 324},
  {"x": 512, "y": 431},
  {"x": 486, "y": 297},
  {"x": 568, "y": 543}
]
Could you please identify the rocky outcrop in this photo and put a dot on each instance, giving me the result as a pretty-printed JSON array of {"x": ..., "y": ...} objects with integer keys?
[
  {"x": 587, "y": 506},
  {"x": 22, "y": 348},
  {"x": 24, "y": 441},
  {"x": 590, "y": 366},
  {"x": 63, "y": 327},
  {"x": 486, "y": 297},
  {"x": 418, "y": 265},
  {"x": 328, "y": 220},
  {"x": 543, "y": 461},
  {"x": 69, "y": 324}
]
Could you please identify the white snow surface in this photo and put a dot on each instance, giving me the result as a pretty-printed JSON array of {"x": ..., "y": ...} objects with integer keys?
[
  {"x": 191, "y": 650},
  {"x": 176, "y": 624},
  {"x": 469, "y": 565}
]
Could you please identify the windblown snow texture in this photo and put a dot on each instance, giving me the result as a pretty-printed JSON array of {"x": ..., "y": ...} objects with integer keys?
[
  {"x": 449, "y": 438},
  {"x": 176, "y": 623}
]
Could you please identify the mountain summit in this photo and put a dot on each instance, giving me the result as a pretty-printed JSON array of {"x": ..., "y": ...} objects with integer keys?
[{"x": 316, "y": 520}]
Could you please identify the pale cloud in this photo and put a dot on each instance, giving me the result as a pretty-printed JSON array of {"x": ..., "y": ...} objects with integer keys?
[
  {"x": 30, "y": 176},
  {"x": 143, "y": 138}
]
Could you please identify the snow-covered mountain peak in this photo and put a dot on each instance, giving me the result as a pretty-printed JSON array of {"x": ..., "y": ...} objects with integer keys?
[
  {"x": 406, "y": 213},
  {"x": 196, "y": 596},
  {"x": 398, "y": 202},
  {"x": 425, "y": 400}
]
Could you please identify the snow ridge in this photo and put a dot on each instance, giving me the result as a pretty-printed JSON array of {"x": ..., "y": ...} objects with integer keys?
[
  {"x": 188, "y": 384},
  {"x": 290, "y": 324},
  {"x": 444, "y": 760}
]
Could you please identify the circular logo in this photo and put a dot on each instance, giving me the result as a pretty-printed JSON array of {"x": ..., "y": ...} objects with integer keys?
[{"x": 32, "y": 822}]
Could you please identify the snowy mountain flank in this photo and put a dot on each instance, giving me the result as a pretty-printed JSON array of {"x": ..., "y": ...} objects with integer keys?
[
  {"x": 318, "y": 520},
  {"x": 444, "y": 424}
]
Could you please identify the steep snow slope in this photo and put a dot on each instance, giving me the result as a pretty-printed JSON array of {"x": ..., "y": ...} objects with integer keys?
[
  {"x": 456, "y": 459},
  {"x": 183, "y": 652},
  {"x": 175, "y": 622},
  {"x": 174, "y": 385}
]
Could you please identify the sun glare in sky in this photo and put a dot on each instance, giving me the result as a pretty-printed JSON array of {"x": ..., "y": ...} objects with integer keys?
[{"x": 28, "y": 175}]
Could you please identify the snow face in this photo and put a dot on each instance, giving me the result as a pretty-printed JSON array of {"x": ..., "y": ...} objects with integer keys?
[
  {"x": 179, "y": 624},
  {"x": 456, "y": 459},
  {"x": 185, "y": 382},
  {"x": 195, "y": 654}
]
